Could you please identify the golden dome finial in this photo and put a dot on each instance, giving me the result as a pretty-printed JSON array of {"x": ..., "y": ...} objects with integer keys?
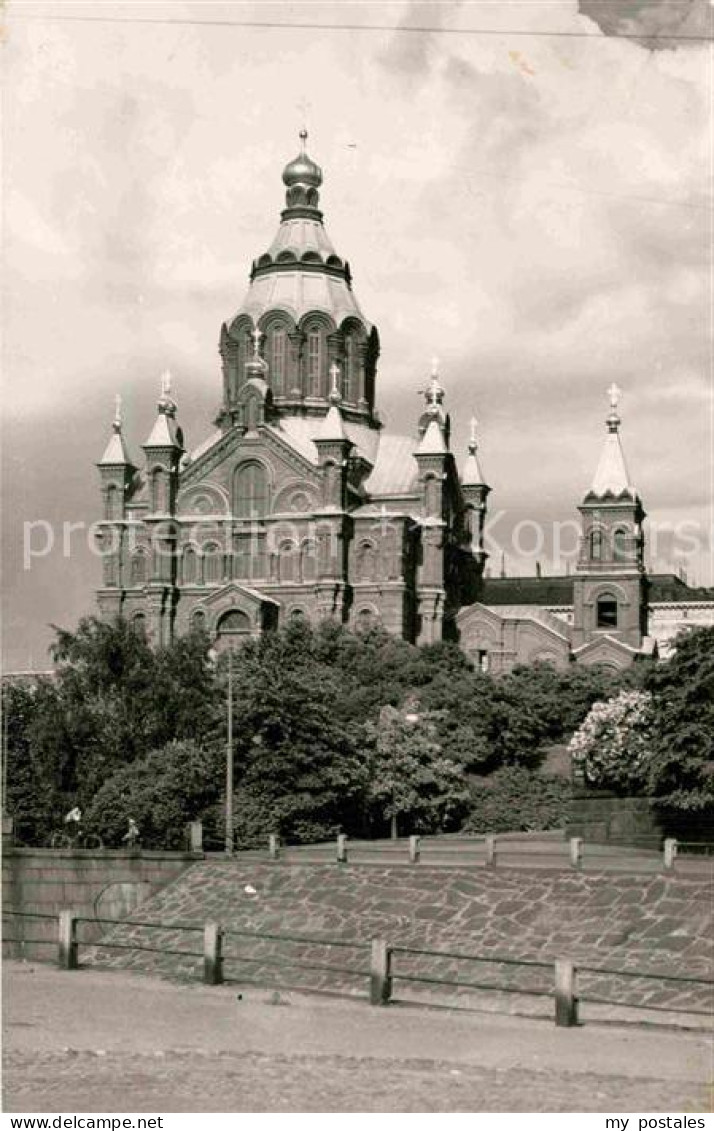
[{"x": 303, "y": 139}]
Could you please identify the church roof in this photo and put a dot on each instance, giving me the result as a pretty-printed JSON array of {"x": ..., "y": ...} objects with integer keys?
[
  {"x": 471, "y": 473},
  {"x": 301, "y": 271},
  {"x": 528, "y": 591},
  {"x": 332, "y": 427},
  {"x": 534, "y": 613},
  {"x": 116, "y": 453},
  {"x": 297, "y": 293},
  {"x": 611, "y": 476},
  {"x": 432, "y": 442}
]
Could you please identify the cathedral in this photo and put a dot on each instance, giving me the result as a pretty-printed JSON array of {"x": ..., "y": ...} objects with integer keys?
[{"x": 301, "y": 504}]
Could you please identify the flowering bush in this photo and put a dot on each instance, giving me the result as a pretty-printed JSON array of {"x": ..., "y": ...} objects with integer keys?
[{"x": 612, "y": 745}]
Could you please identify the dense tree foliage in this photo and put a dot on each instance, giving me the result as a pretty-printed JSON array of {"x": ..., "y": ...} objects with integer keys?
[
  {"x": 162, "y": 792},
  {"x": 515, "y": 799},
  {"x": 307, "y": 704},
  {"x": 410, "y": 782},
  {"x": 681, "y": 765}
]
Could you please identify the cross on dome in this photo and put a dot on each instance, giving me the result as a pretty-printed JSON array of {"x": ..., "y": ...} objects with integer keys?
[
  {"x": 613, "y": 420},
  {"x": 473, "y": 424},
  {"x": 166, "y": 383},
  {"x": 117, "y": 413},
  {"x": 256, "y": 335}
]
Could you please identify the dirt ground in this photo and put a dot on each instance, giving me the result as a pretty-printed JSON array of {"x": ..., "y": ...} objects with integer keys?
[{"x": 97, "y": 1041}]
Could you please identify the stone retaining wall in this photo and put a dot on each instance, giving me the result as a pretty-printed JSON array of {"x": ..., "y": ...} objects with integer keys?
[
  {"x": 96, "y": 884},
  {"x": 655, "y": 924}
]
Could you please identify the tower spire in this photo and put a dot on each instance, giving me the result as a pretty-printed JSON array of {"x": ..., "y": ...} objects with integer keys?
[
  {"x": 612, "y": 476},
  {"x": 116, "y": 453},
  {"x": 471, "y": 474}
]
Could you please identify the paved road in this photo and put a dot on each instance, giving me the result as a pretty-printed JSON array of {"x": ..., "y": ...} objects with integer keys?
[{"x": 96, "y": 1041}]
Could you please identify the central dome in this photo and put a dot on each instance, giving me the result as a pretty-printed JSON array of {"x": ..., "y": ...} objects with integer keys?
[{"x": 302, "y": 170}]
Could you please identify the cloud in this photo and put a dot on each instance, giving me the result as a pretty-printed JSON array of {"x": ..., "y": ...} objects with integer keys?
[{"x": 540, "y": 223}]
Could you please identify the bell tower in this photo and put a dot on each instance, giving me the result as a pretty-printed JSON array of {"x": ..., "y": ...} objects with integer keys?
[{"x": 610, "y": 586}]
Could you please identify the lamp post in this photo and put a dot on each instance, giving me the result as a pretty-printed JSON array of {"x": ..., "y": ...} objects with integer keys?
[{"x": 229, "y": 760}]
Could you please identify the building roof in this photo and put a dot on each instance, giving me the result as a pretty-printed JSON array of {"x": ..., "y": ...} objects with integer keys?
[
  {"x": 534, "y": 613},
  {"x": 116, "y": 453},
  {"x": 301, "y": 271},
  {"x": 668, "y": 588},
  {"x": 527, "y": 591},
  {"x": 432, "y": 442},
  {"x": 298, "y": 292},
  {"x": 612, "y": 476}
]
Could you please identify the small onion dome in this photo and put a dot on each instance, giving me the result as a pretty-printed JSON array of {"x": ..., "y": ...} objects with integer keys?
[{"x": 303, "y": 170}]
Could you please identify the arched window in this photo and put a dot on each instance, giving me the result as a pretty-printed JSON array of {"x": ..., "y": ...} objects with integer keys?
[
  {"x": 234, "y": 622},
  {"x": 138, "y": 623},
  {"x": 366, "y": 562},
  {"x": 349, "y": 379},
  {"x": 297, "y": 616},
  {"x": 190, "y": 566},
  {"x": 277, "y": 342},
  {"x": 287, "y": 555},
  {"x": 619, "y": 545},
  {"x": 159, "y": 494},
  {"x": 198, "y": 621},
  {"x": 232, "y": 629},
  {"x": 390, "y": 559},
  {"x": 596, "y": 545},
  {"x": 315, "y": 363},
  {"x": 308, "y": 561},
  {"x": 606, "y": 611},
  {"x": 212, "y": 562},
  {"x": 113, "y": 502},
  {"x": 137, "y": 568},
  {"x": 365, "y": 620},
  {"x": 250, "y": 491}
]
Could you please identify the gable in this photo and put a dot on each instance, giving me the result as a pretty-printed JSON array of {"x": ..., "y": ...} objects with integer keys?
[{"x": 206, "y": 485}]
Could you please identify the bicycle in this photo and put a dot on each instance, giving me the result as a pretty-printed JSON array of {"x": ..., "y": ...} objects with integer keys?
[{"x": 63, "y": 839}]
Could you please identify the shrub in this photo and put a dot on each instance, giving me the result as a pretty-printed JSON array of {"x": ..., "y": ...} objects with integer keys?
[
  {"x": 612, "y": 745},
  {"x": 162, "y": 792},
  {"x": 515, "y": 799}
]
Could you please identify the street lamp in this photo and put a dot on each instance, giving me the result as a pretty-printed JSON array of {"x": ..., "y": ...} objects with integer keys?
[{"x": 229, "y": 760}]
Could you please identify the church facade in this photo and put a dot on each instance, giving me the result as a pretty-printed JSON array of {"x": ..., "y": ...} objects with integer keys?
[{"x": 301, "y": 504}]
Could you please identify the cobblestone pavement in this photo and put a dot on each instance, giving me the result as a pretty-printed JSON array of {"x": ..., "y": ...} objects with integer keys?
[
  {"x": 652, "y": 925},
  {"x": 98, "y": 1041}
]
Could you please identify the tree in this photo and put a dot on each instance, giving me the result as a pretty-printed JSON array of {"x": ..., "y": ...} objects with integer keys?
[
  {"x": 410, "y": 779},
  {"x": 162, "y": 791},
  {"x": 613, "y": 744},
  {"x": 298, "y": 767},
  {"x": 681, "y": 765},
  {"x": 515, "y": 798}
]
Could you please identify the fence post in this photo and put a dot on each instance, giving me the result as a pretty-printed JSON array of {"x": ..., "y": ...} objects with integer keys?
[
  {"x": 341, "y": 849},
  {"x": 670, "y": 853},
  {"x": 380, "y": 973},
  {"x": 576, "y": 851},
  {"x": 273, "y": 846},
  {"x": 195, "y": 834},
  {"x": 566, "y": 1002},
  {"x": 212, "y": 954},
  {"x": 414, "y": 849},
  {"x": 68, "y": 946},
  {"x": 490, "y": 843}
]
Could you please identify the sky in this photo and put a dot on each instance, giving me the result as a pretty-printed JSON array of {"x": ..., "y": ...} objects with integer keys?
[{"x": 522, "y": 189}]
